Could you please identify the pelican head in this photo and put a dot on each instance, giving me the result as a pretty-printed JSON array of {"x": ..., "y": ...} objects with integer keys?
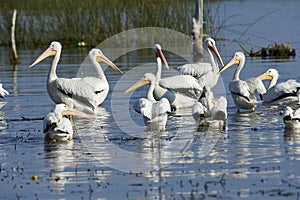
[
  {"x": 211, "y": 45},
  {"x": 98, "y": 55},
  {"x": 146, "y": 79},
  {"x": 238, "y": 58},
  {"x": 51, "y": 51},
  {"x": 159, "y": 54},
  {"x": 270, "y": 74}
]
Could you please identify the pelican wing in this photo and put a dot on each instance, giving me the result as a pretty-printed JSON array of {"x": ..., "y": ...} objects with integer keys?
[
  {"x": 285, "y": 89},
  {"x": 219, "y": 111},
  {"x": 49, "y": 121},
  {"x": 289, "y": 86},
  {"x": 144, "y": 106},
  {"x": 195, "y": 69},
  {"x": 240, "y": 88},
  {"x": 256, "y": 86},
  {"x": 97, "y": 84},
  {"x": 199, "y": 110},
  {"x": 160, "y": 107},
  {"x": 77, "y": 90},
  {"x": 64, "y": 126},
  {"x": 3, "y": 92},
  {"x": 297, "y": 113},
  {"x": 183, "y": 84}
]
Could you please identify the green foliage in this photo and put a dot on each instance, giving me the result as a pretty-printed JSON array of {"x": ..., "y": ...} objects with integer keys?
[{"x": 69, "y": 21}]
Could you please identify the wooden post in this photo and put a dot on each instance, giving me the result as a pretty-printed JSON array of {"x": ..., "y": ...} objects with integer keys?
[
  {"x": 198, "y": 32},
  {"x": 13, "y": 42}
]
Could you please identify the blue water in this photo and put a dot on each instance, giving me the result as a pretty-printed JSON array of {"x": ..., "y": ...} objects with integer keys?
[{"x": 113, "y": 157}]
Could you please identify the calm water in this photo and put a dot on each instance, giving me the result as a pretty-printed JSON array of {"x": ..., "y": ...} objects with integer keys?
[{"x": 113, "y": 157}]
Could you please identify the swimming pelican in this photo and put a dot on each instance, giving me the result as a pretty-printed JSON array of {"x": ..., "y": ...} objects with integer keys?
[
  {"x": 154, "y": 112},
  {"x": 100, "y": 84},
  {"x": 73, "y": 92},
  {"x": 287, "y": 91},
  {"x": 181, "y": 90},
  {"x": 206, "y": 73},
  {"x": 3, "y": 92},
  {"x": 291, "y": 118},
  {"x": 240, "y": 90},
  {"x": 211, "y": 113},
  {"x": 58, "y": 127}
]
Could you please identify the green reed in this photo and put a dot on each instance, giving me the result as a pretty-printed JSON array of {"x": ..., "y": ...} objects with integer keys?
[{"x": 92, "y": 21}]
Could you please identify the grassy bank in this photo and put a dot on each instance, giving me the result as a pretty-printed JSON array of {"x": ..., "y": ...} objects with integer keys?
[{"x": 39, "y": 22}]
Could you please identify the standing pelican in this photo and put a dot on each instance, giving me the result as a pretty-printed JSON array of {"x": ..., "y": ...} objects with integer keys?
[
  {"x": 56, "y": 126},
  {"x": 154, "y": 112},
  {"x": 291, "y": 118},
  {"x": 99, "y": 84},
  {"x": 211, "y": 113},
  {"x": 206, "y": 73},
  {"x": 73, "y": 92},
  {"x": 285, "y": 91},
  {"x": 240, "y": 90},
  {"x": 181, "y": 90}
]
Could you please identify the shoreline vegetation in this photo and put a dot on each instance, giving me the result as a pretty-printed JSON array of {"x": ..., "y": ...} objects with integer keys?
[{"x": 87, "y": 23}]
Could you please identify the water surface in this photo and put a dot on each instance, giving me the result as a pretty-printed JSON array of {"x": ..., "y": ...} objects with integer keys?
[{"x": 254, "y": 158}]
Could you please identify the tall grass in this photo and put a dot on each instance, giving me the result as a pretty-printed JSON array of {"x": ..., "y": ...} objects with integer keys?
[{"x": 92, "y": 21}]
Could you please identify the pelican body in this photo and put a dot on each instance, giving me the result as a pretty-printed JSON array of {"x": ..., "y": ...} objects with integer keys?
[
  {"x": 100, "y": 84},
  {"x": 240, "y": 91},
  {"x": 291, "y": 118},
  {"x": 181, "y": 90},
  {"x": 75, "y": 93},
  {"x": 287, "y": 91},
  {"x": 56, "y": 126},
  {"x": 206, "y": 73},
  {"x": 155, "y": 113},
  {"x": 211, "y": 113}
]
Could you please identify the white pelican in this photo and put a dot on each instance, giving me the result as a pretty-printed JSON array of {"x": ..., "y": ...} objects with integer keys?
[
  {"x": 3, "y": 92},
  {"x": 100, "y": 84},
  {"x": 285, "y": 91},
  {"x": 154, "y": 112},
  {"x": 291, "y": 118},
  {"x": 181, "y": 90},
  {"x": 73, "y": 92},
  {"x": 240, "y": 90},
  {"x": 206, "y": 73},
  {"x": 211, "y": 113},
  {"x": 56, "y": 126}
]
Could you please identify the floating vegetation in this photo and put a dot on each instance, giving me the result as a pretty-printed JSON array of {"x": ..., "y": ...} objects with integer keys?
[
  {"x": 68, "y": 21},
  {"x": 278, "y": 50}
]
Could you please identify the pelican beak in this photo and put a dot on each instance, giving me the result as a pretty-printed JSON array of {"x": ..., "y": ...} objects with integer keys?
[
  {"x": 163, "y": 58},
  {"x": 138, "y": 84},
  {"x": 265, "y": 76},
  {"x": 229, "y": 64},
  {"x": 104, "y": 59},
  {"x": 213, "y": 100},
  {"x": 215, "y": 50},
  {"x": 71, "y": 111},
  {"x": 48, "y": 52}
]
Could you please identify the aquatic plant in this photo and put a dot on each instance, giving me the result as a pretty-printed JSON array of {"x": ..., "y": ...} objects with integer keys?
[
  {"x": 278, "y": 50},
  {"x": 74, "y": 22}
]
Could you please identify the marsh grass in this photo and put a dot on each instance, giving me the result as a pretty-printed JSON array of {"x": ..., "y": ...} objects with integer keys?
[{"x": 69, "y": 21}]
